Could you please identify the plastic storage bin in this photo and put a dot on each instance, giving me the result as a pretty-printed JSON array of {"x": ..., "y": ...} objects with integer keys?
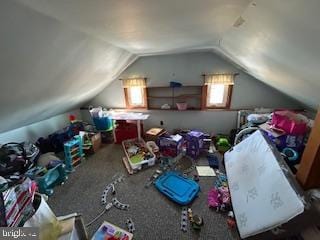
[
  {"x": 102, "y": 123},
  {"x": 138, "y": 165}
]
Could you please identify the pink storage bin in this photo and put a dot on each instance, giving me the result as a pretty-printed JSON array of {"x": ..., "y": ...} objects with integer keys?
[
  {"x": 290, "y": 122},
  {"x": 182, "y": 106}
]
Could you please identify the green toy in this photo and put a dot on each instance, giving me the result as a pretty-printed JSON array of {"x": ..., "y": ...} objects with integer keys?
[{"x": 223, "y": 144}]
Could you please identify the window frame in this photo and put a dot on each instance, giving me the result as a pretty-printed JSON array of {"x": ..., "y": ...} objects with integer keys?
[
  {"x": 205, "y": 104},
  {"x": 127, "y": 99}
]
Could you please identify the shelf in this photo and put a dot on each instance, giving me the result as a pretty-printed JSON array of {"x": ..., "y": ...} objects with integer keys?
[
  {"x": 188, "y": 86},
  {"x": 176, "y": 109},
  {"x": 184, "y": 96}
]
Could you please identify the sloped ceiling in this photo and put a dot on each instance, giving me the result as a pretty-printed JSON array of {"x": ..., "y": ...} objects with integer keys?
[
  {"x": 47, "y": 68},
  {"x": 57, "y": 54},
  {"x": 147, "y": 26},
  {"x": 279, "y": 44}
]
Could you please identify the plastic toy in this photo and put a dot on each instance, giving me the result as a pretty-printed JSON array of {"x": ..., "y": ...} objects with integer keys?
[
  {"x": 177, "y": 188},
  {"x": 194, "y": 143},
  {"x": 170, "y": 146},
  {"x": 48, "y": 179},
  {"x": 213, "y": 160},
  {"x": 105, "y": 193},
  {"x": 138, "y": 154},
  {"x": 154, "y": 176},
  {"x": 119, "y": 205},
  {"x": 130, "y": 225},
  {"x": 291, "y": 154},
  {"x": 110, "y": 187},
  {"x": 73, "y": 152},
  {"x": 184, "y": 219},
  {"x": 223, "y": 144}
]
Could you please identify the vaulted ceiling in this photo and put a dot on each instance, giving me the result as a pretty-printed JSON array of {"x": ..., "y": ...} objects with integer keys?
[{"x": 58, "y": 54}]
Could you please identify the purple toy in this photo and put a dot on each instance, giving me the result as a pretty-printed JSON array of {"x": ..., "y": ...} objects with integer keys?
[
  {"x": 213, "y": 198},
  {"x": 194, "y": 143},
  {"x": 170, "y": 146},
  {"x": 219, "y": 198}
]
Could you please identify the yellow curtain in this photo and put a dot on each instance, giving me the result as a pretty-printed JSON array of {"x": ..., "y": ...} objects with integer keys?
[
  {"x": 134, "y": 82},
  {"x": 226, "y": 79}
]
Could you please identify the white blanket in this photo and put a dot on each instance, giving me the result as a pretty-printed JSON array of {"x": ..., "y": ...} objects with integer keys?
[{"x": 262, "y": 197}]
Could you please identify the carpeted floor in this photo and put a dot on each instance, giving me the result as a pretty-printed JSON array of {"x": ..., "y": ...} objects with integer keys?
[{"x": 155, "y": 216}]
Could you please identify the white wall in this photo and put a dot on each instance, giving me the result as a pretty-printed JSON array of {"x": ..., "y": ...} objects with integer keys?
[
  {"x": 188, "y": 68},
  {"x": 40, "y": 129}
]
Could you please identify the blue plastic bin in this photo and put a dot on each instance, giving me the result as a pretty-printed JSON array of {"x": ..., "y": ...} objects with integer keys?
[
  {"x": 102, "y": 123},
  {"x": 179, "y": 189}
]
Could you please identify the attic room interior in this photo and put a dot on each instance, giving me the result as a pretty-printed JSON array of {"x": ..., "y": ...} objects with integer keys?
[{"x": 148, "y": 119}]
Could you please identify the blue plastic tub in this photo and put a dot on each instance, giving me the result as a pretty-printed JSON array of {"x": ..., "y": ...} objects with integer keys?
[
  {"x": 102, "y": 123},
  {"x": 177, "y": 188}
]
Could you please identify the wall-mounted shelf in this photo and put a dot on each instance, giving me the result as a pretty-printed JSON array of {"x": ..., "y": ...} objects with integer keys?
[{"x": 158, "y": 96}]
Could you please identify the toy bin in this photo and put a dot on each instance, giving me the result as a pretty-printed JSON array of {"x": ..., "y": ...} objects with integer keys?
[
  {"x": 138, "y": 153},
  {"x": 170, "y": 146},
  {"x": 102, "y": 123}
]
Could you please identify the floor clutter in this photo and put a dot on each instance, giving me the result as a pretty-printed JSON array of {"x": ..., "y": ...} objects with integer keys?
[{"x": 180, "y": 162}]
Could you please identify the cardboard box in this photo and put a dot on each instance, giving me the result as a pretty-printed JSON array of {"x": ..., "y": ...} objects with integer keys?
[
  {"x": 96, "y": 141},
  {"x": 154, "y": 133}
]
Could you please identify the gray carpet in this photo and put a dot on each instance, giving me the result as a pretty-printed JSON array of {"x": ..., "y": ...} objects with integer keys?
[{"x": 155, "y": 216}]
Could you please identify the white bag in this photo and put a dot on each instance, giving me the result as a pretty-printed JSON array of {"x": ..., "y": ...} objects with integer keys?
[{"x": 45, "y": 220}]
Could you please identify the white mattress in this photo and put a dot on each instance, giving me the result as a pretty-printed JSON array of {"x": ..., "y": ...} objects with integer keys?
[{"x": 262, "y": 197}]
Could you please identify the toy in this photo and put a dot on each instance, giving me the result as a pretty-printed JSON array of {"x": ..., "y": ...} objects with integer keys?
[
  {"x": 119, "y": 205},
  {"x": 195, "y": 220},
  {"x": 194, "y": 141},
  {"x": 177, "y": 188},
  {"x": 105, "y": 193},
  {"x": 223, "y": 144},
  {"x": 154, "y": 176},
  {"x": 73, "y": 152},
  {"x": 109, "y": 231},
  {"x": 184, "y": 218},
  {"x": 170, "y": 146},
  {"x": 130, "y": 225},
  {"x": 48, "y": 179},
  {"x": 291, "y": 154},
  {"x": 110, "y": 186},
  {"x": 219, "y": 195},
  {"x": 138, "y": 154},
  {"x": 213, "y": 160}
]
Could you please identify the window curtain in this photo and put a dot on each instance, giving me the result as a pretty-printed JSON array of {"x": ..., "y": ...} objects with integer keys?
[
  {"x": 226, "y": 79},
  {"x": 134, "y": 82}
]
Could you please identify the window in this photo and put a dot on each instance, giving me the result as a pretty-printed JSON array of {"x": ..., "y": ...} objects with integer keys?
[
  {"x": 218, "y": 90},
  {"x": 135, "y": 93}
]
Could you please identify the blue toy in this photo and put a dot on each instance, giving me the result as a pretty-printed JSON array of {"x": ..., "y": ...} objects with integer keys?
[
  {"x": 177, "y": 188},
  {"x": 48, "y": 179},
  {"x": 291, "y": 154},
  {"x": 213, "y": 161}
]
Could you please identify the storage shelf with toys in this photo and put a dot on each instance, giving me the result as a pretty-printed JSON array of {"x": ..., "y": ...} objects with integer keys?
[{"x": 73, "y": 152}]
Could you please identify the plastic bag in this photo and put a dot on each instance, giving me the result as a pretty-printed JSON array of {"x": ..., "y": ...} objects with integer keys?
[{"x": 45, "y": 219}]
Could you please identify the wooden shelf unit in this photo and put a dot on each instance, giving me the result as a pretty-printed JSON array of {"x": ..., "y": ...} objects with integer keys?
[{"x": 157, "y": 96}]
